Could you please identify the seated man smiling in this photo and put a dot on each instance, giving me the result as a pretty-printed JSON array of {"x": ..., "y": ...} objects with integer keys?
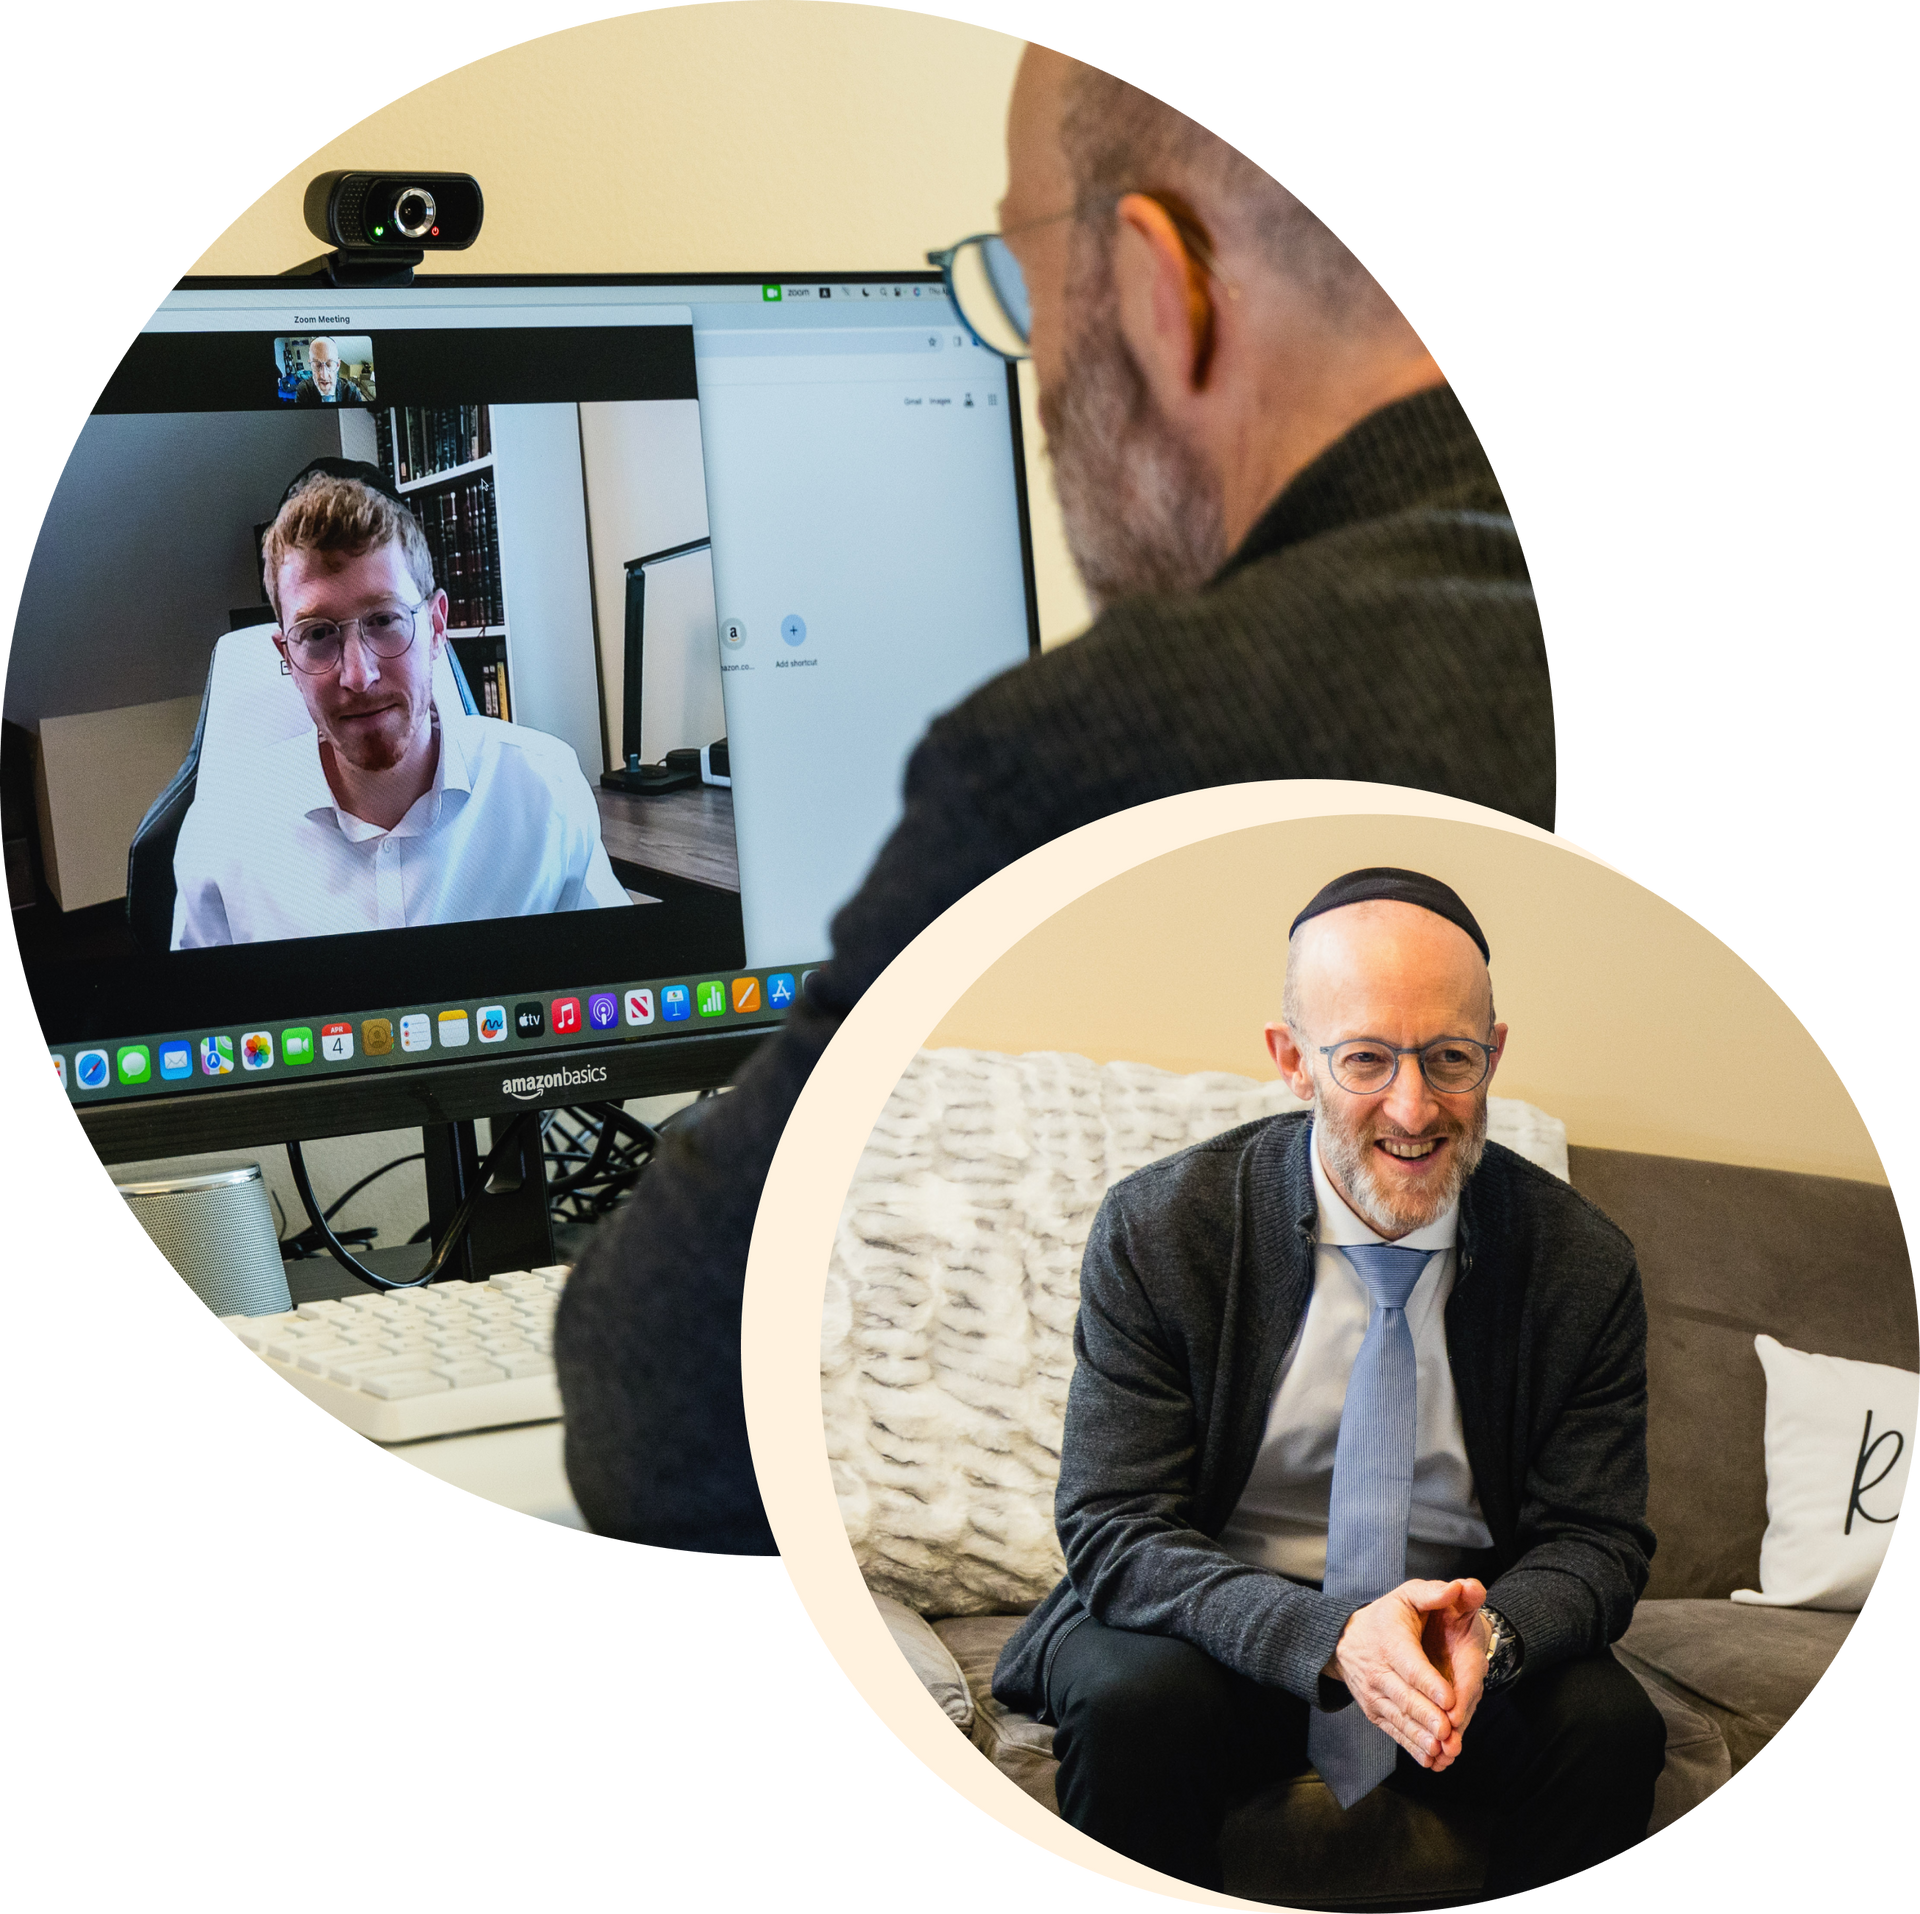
[
  {"x": 1354, "y": 1468},
  {"x": 388, "y": 811}
]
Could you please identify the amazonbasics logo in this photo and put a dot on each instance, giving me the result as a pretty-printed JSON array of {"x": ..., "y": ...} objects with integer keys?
[{"x": 527, "y": 1088}]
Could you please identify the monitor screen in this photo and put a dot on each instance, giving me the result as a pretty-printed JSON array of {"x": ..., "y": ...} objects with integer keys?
[{"x": 542, "y": 781}]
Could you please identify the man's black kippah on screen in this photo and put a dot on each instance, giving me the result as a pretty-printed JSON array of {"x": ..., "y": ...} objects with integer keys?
[
  {"x": 370, "y": 476},
  {"x": 1382, "y": 883}
]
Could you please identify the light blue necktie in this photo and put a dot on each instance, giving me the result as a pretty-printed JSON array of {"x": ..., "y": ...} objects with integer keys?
[{"x": 1372, "y": 1498}]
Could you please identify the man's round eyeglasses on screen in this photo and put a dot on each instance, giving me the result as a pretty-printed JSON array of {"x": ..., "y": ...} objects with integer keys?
[
  {"x": 1364, "y": 1066},
  {"x": 386, "y": 629}
]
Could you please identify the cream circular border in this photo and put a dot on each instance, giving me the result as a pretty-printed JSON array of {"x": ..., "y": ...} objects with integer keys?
[{"x": 800, "y": 1209}]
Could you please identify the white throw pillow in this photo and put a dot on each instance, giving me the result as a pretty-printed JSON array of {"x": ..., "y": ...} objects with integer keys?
[{"x": 1839, "y": 1443}]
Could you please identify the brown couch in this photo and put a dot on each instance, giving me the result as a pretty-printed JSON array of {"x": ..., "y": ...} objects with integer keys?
[{"x": 1725, "y": 1254}]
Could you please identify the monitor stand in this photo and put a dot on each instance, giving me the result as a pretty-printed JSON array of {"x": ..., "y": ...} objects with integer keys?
[{"x": 510, "y": 1228}]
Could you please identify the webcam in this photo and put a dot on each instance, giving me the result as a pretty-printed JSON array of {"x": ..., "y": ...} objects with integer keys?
[{"x": 383, "y": 224}]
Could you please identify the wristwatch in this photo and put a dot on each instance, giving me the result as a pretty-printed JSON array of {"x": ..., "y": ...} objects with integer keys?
[{"x": 1503, "y": 1650}]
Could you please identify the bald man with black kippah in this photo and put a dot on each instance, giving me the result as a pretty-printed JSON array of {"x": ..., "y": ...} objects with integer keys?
[{"x": 1354, "y": 1469}]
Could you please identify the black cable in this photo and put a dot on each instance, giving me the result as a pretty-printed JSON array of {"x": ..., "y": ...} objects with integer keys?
[
  {"x": 588, "y": 1183},
  {"x": 456, "y": 1228},
  {"x": 596, "y": 1163},
  {"x": 295, "y": 1249}
]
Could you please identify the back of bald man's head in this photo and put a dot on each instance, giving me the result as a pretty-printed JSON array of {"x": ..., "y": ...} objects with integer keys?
[{"x": 1117, "y": 140}]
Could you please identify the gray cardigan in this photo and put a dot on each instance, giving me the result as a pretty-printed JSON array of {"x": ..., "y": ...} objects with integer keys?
[{"x": 1197, "y": 1273}]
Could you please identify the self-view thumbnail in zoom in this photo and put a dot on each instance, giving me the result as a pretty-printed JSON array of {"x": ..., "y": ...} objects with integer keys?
[
  {"x": 415, "y": 733},
  {"x": 323, "y": 369}
]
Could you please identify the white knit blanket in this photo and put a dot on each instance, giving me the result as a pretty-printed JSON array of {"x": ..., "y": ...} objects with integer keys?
[{"x": 946, "y": 1341}]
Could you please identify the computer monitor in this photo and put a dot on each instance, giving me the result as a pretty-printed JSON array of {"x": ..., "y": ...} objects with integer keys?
[{"x": 816, "y": 483}]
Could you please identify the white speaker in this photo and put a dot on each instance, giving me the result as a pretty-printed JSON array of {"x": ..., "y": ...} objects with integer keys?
[{"x": 217, "y": 1231}]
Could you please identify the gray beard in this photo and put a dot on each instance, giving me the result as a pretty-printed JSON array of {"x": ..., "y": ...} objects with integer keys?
[
  {"x": 1348, "y": 1158},
  {"x": 1141, "y": 509}
]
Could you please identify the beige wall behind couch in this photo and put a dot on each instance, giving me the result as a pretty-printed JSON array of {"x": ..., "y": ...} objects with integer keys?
[{"x": 1629, "y": 1022}]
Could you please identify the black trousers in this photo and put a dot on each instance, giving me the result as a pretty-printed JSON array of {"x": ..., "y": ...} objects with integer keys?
[{"x": 1156, "y": 1741}]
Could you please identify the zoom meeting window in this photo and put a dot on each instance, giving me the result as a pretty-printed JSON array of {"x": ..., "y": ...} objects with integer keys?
[
  {"x": 211, "y": 774},
  {"x": 704, "y": 558}
]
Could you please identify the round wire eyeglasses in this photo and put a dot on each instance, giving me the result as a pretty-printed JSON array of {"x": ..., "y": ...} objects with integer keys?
[
  {"x": 1452, "y": 1066},
  {"x": 315, "y": 645}
]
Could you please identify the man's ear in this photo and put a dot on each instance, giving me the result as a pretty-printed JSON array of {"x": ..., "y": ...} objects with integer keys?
[
  {"x": 1291, "y": 1061},
  {"x": 1499, "y": 1041},
  {"x": 1164, "y": 301}
]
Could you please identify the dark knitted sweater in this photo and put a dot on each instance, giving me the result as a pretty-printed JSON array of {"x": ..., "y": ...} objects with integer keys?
[
  {"x": 1377, "y": 623},
  {"x": 1197, "y": 1272}
]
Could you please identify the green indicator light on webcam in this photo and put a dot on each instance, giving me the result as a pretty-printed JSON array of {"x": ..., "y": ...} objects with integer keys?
[{"x": 379, "y": 232}]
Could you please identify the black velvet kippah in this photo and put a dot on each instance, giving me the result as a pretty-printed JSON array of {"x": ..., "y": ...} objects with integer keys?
[
  {"x": 370, "y": 476},
  {"x": 1397, "y": 887}
]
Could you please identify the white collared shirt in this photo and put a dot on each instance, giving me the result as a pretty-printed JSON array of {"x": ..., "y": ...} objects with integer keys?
[
  {"x": 1280, "y": 1520},
  {"x": 508, "y": 828}
]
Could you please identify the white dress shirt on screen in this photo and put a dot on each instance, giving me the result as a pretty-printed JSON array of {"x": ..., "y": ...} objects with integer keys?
[
  {"x": 509, "y": 828},
  {"x": 1280, "y": 1520}
]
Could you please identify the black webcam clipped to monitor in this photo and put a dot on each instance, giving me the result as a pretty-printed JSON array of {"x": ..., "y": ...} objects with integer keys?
[{"x": 382, "y": 225}]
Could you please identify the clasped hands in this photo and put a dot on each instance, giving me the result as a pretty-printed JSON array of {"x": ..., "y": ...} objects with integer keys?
[{"x": 1415, "y": 1662}]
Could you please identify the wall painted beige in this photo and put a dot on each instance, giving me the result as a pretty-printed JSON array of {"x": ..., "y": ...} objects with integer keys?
[
  {"x": 766, "y": 135},
  {"x": 1629, "y": 1022}
]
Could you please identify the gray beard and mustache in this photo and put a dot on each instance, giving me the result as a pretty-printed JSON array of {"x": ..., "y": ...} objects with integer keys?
[
  {"x": 1142, "y": 510},
  {"x": 1347, "y": 1151}
]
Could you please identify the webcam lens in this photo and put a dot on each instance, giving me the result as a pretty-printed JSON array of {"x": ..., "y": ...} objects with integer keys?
[{"x": 414, "y": 211}]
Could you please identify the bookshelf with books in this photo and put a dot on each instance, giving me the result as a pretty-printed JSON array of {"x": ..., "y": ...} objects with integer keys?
[{"x": 440, "y": 458}]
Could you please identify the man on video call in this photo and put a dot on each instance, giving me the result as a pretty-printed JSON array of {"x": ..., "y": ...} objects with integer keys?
[
  {"x": 327, "y": 386},
  {"x": 1354, "y": 1469},
  {"x": 389, "y": 811},
  {"x": 1303, "y": 568}
]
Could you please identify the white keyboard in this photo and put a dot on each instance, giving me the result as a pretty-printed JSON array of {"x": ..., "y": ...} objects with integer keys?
[{"x": 409, "y": 1363}]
